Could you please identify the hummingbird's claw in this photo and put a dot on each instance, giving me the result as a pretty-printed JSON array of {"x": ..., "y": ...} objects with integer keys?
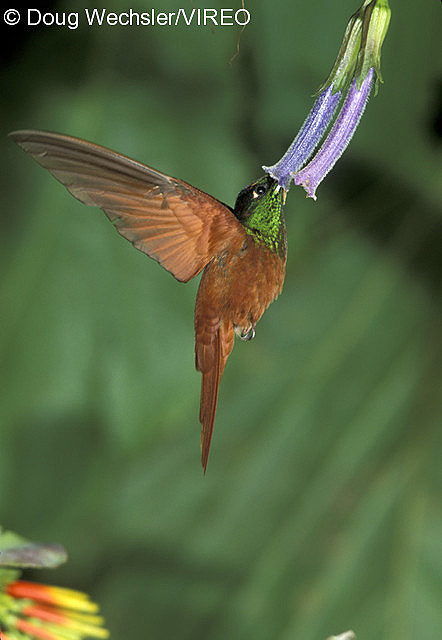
[{"x": 248, "y": 334}]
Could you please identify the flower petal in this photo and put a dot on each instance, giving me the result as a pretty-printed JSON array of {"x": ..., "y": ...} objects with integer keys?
[
  {"x": 338, "y": 138},
  {"x": 307, "y": 139}
]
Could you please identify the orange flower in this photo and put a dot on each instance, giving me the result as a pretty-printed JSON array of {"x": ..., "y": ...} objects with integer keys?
[{"x": 42, "y": 612}]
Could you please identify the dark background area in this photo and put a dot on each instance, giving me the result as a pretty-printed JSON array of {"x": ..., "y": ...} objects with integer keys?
[{"x": 320, "y": 510}]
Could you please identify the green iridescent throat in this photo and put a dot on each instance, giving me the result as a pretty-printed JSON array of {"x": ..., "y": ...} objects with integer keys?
[{"x": 263, "y": 216}]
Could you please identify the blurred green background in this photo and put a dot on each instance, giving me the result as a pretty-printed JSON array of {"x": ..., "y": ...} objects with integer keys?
[{"x": 320, "y": 510}]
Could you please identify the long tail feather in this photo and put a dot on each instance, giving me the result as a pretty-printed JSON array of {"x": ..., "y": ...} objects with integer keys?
[{"x": 209, "y": 399}]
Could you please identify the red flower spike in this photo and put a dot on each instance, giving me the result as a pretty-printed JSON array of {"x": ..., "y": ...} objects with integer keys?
[
  {"x": 46, "y": 613},
  {"x": 57, "y": 596},
  {"x": 34, "y": 631}
]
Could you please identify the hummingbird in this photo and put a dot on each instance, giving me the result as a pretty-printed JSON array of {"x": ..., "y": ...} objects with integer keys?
[{"x": 241, "y": 250}]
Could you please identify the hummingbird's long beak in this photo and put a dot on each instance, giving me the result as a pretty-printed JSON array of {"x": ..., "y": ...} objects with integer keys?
[{"x": 284, "y": 193}]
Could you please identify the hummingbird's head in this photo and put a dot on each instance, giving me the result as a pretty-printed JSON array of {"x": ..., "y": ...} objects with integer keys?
[
  {"x": 264, "y": 194},
  {"x": 259, "y": 208}
]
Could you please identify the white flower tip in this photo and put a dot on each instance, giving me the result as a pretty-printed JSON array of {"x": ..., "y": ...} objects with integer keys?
[{"x": 270, "y": 171}]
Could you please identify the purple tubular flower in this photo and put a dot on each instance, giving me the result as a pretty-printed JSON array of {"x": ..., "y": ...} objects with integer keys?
[
  {"x": 356, "y": 70},
  {"x": 307, "y": 139},
  {"x": 338, "y": 138}
]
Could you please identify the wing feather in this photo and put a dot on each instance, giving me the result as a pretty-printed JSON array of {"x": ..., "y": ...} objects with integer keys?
[{"x": 174, "y": 223}]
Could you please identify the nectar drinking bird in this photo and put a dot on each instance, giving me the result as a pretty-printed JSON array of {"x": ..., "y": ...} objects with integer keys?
[{"x": 241, "y": 251}]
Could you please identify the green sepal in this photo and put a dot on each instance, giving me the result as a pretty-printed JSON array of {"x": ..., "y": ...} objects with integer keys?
[
  {"x": 361, "y": 47},
  {"x": 374, "y": 29},
  {"x": 342, "y": 71}
]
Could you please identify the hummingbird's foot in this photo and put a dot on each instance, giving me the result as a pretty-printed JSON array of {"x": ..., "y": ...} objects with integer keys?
[{"x": 246, "y": 334}]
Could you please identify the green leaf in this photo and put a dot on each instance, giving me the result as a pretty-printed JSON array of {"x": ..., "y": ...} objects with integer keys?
[{"x": 16, "y": 551}]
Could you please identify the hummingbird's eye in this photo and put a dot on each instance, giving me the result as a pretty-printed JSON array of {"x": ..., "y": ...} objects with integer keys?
[{"x": 259, "y": 191}]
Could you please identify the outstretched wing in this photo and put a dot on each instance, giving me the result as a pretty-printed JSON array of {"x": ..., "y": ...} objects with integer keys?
[{"x": 174, "y": 223}]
